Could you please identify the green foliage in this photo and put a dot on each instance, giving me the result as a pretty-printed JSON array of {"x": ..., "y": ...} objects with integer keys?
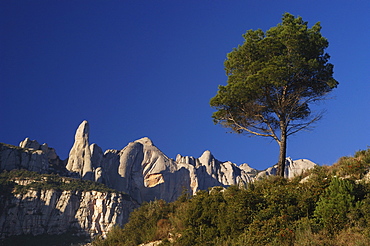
[
  {"x": 319, "y": 206},
  {"x": 335, "y": 204},
  {"x": 147, "y": 223},
  {"x": 149, "y": 218},
  {"x": 36, "y": 181},
  {"x": 277, "y": 230},
  {"x": 355, "y": 167},
  {"x": 11, "y": 146},
  {"x": 273, "y": 78},
  {"x": 115, "y": 237},
  {"x": 313, "y": 210}
]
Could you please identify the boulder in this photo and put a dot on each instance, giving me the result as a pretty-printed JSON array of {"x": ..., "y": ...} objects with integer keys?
[{"x": 292, "y": 168}]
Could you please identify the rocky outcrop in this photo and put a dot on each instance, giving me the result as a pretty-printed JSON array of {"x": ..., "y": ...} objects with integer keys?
[
  {"x": 32, "y": 156},
  {"x": 79, "y": 160},
  {"x": 96, "y": 156},
  {"x": 143, "y": 171},
  {"x": 252, "y": 172},
  {"x": 211, "y": 172},
  {"x": 146, "y": 173},
  {"x": 58, "y": 212},
  {"x": 140, "y": 169},
  {"x": 292, "y": 168}
]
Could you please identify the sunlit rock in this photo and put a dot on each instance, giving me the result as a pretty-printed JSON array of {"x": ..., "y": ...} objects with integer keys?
[{"x": 79, "y": 160}]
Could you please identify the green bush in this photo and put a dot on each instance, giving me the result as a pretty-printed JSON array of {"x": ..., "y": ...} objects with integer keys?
[
  {"x": 355, "y": 167},
  {"x": 47, "y": 181},
  {"x": 334, "y": 205},
  {"x": 147, "y": 223},
  {"x": 320, "y": 210}
]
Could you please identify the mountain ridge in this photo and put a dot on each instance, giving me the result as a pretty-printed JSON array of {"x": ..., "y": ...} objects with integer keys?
[{"x": 140, "y": 170}]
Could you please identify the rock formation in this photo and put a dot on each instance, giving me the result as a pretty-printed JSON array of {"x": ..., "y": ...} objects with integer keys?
[
  {"x": 140, "y": 170},
  {"x": 32, "y": 156},
  {"x": 292, "y": 168},
  {"x": 252, "y": 172},
  {"x": 143, "y": 171},
  {"x": 79, "y": 160},
  {"x": 211, "y": 172},
  {"x": 58, "y": 212},
  {"x": 96, "y": 155}
]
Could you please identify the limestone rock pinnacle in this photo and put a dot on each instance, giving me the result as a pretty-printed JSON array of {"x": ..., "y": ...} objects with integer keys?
[
  {"x": 29, "y": 144},
  {"x": 79, "y": 160}
]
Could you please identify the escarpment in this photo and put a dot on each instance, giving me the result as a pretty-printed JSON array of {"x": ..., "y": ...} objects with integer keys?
[{"x": 50, "y": 211}]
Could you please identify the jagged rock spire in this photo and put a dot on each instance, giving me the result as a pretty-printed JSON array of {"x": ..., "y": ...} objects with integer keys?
[
  {"x": 29, "y": 144},
  {"x": 79, "y": 160}
]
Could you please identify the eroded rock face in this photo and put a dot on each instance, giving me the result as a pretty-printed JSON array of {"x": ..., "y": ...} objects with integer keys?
[
  {"x": 211, "y": 172},
  {"x": 252, "y": 172},
  {"x": 97, "y": 156},
  {"x": 153, "y": 180},
  {"x": 140, "y": 170},
  {"x": 297, "y": 167},
  {"x": 57, "y": 212},
  {"x": 147, "y": 174},
  {"x": 32, "y": 156},
  {"x": 143, "y": 171},
  {"x": 79, "y": 160},
  {"x": 29, "y": 144},
  {"x": 292, "y": 168}
]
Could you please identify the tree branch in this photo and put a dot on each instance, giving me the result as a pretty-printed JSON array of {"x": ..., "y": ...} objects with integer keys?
[
  {"x": 267, "y": 133},
  {"x": 294, "y": 128}
]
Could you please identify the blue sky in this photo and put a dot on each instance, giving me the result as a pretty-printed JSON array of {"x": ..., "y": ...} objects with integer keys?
[{"x": 149, "y": 68}]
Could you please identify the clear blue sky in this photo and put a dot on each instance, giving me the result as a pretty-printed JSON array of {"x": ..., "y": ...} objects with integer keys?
[{"x": 149, "y": 68}]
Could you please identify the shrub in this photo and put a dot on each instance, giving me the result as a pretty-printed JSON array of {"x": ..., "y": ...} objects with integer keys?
[
  {"x": 322, "y": 210},
  {"x": 49, "y": 181},
  {"x": 353, "y": 167},
  {"x": 334, "y": 205}
]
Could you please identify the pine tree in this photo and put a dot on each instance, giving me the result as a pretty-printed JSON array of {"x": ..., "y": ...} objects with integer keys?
[{"x": 272, "y": 80}]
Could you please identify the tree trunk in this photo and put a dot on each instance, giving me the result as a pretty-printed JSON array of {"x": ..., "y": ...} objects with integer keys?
[{"x": 282, "y": 152}]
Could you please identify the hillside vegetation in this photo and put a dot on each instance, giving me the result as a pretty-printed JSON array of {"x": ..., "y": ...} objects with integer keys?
[
  {"x": 328, "y": 205},
  {"x": 20, "y": 181}
]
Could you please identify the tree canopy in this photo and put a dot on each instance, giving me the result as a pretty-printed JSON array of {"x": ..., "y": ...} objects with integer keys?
[{"x": 273, "y": 77}]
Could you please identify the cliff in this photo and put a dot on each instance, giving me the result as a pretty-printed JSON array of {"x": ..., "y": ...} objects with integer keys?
[
  {"x": 32, "y": 156},
  {"x": 25, "y": 209}
]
